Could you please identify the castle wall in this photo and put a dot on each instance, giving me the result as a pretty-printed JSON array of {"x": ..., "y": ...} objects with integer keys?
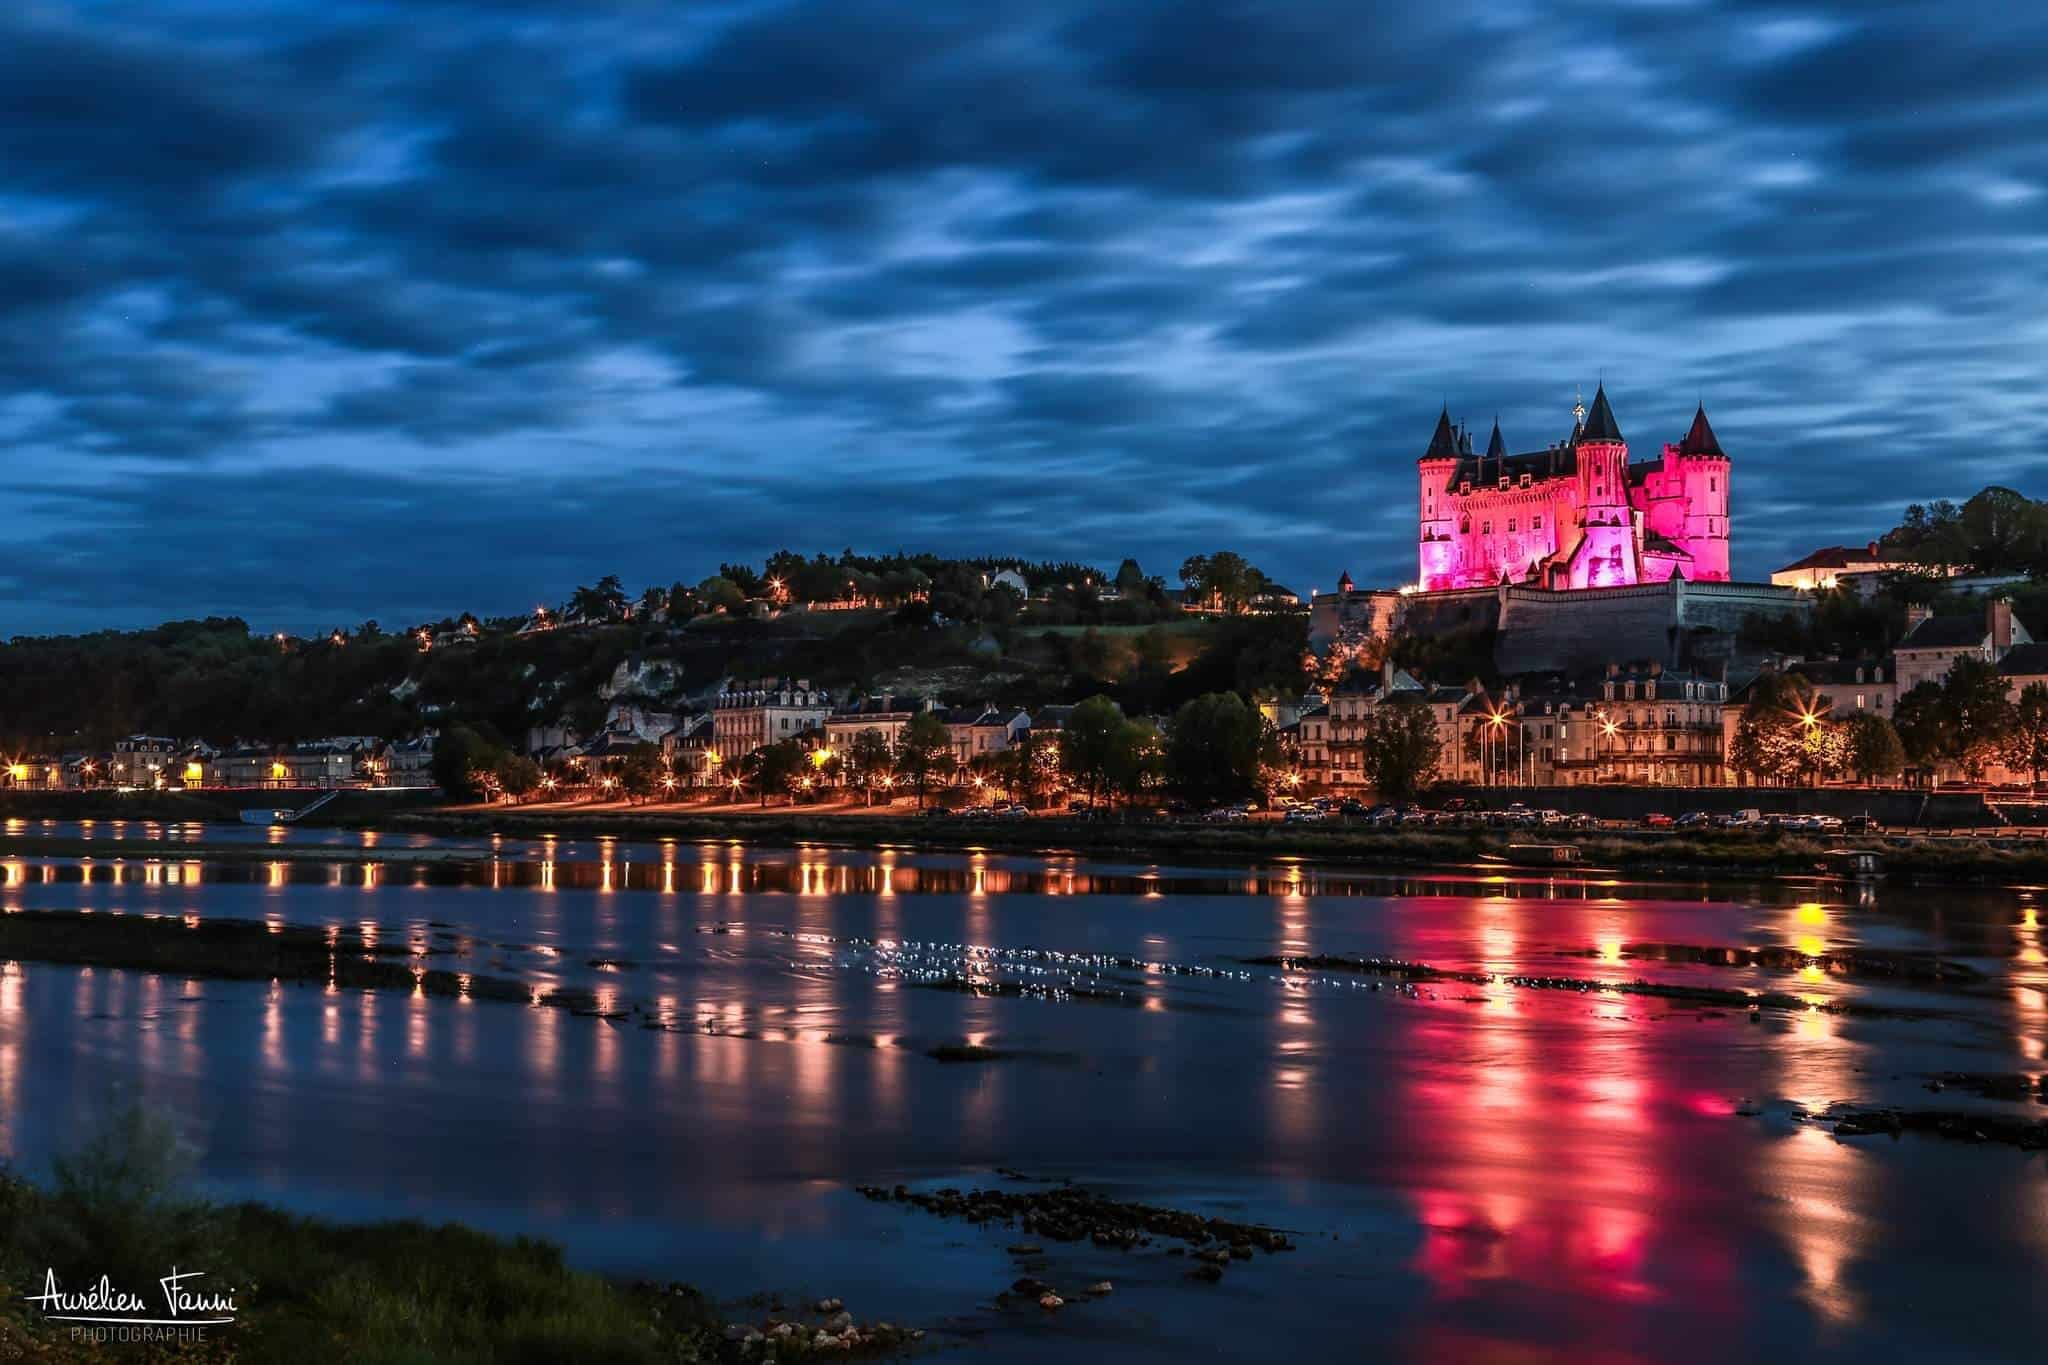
[{"x": 1544, "y": 631}]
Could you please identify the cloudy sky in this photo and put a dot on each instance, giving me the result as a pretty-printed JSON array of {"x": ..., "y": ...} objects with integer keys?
[{"x": 319, "y": 311}]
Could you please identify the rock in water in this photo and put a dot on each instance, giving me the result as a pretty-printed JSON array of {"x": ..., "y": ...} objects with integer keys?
[
  {"x": 1050, "y": 1300},
  {"x": 1101, "y": 1287}
]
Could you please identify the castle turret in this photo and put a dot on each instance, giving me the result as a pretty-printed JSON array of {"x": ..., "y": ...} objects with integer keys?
[
  {"x": 1606, "y": 554},
  {"x": 1701, "y": 471},
  {"x": 1435, "y": 548}
]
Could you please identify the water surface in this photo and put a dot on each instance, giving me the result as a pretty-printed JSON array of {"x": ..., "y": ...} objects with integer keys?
[{"x": 1477, "y": 1171}]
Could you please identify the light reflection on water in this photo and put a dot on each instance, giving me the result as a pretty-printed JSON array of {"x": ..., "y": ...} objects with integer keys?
[{"x": 1506, "y": 1169}]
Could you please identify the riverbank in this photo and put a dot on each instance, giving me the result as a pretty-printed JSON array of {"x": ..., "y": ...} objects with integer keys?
[
  {"x": 307, "y": 1289},
  {"x": 1916, "y": 857},
  {"x": 1645, "y": 852}
]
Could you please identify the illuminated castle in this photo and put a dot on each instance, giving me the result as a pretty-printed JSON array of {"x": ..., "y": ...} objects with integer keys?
[{"x": 1576, "y": 514}]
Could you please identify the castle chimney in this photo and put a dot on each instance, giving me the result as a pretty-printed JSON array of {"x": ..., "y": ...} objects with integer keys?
[{"x": 1998, "y": 623}]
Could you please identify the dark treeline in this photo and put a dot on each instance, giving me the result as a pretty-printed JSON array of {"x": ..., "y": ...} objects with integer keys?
[{"x": 1088, "y": 633}]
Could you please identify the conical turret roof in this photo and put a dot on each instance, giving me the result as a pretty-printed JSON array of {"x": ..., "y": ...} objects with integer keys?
[
  {"x": 1496, "y": 448},
  {"x": 1600, "y": 424},
  {"x": 1444, "y": 444},
  {"x": 1700, "y": 440}
]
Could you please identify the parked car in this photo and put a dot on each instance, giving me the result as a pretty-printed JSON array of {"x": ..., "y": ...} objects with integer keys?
[
  {"x": 1657, "y": 819},
  {"x": 1303, "y": 815},
  {"x": 1863, "y": 824}
]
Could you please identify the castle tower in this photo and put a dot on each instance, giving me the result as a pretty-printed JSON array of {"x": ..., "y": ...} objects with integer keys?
[
  {"x": 1436, "y": 518},
  {"x": 1606, "y": 553},
  {"x": 1703, "y": 471}
]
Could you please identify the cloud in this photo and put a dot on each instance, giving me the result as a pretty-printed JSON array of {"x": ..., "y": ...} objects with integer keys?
[{"x": 317, "y": 312}]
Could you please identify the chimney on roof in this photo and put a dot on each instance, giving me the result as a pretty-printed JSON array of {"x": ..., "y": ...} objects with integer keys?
[{"x": 1998, "y": 623}]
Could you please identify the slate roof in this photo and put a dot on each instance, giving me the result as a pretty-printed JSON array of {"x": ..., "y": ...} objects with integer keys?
[
  {"x": 2025, "y": 661},
  {"x": 1700, "y": 440},
  {"x": 1842, "y": 672},
  {"x": 1600, "y": 423},
  {"x": 1947, "y": 632}
]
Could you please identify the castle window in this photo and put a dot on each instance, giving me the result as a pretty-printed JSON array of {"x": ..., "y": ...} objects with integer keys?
[
  {"x": 1511, "y": 523},
  {"x": 1536, "y": 523},
  {"x": 1712, "y": 485},
  {"x": 1485, "y": 528}
]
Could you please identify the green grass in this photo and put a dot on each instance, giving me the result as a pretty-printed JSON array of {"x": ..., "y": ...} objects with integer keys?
[{"x": 380, "y": 1294}]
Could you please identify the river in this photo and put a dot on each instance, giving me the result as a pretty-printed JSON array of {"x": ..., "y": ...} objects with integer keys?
[{"x": 1486, "y": 1170}]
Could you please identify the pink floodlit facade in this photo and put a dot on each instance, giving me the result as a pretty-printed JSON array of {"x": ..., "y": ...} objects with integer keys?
[{"x": 1575, "y": 514}]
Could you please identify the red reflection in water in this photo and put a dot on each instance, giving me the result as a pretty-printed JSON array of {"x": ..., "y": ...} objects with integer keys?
[{"x": 1549, "y": 1153}]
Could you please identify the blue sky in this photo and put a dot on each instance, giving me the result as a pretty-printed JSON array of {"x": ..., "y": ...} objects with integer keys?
[{"x": 318, "y": 312}]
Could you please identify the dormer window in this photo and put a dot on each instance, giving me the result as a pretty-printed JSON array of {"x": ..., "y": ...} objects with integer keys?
[
  {"x": 1464, "y": 485},
  {"x": 1503, "y": 483},
  {"x": 1525, "y": 480}
]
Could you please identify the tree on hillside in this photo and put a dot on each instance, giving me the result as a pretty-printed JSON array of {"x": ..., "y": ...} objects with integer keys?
[
  {"x": 1874, "y": 748},
  {"x": 1216, "y": 747},
  {"x": 1130, "y": 579},
  {"x": 606, "y": 601},
  {"x": 1224, "y": 577},
  {"x": 1996, "y": 531},
  {"x": 1400, "y": 750},
  {"x": 924, "y": 752},
  {"x": 719, "y": 593}
]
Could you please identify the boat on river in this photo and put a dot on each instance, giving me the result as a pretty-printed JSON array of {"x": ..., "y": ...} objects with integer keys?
[{"x": 1543, "y": 855}]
